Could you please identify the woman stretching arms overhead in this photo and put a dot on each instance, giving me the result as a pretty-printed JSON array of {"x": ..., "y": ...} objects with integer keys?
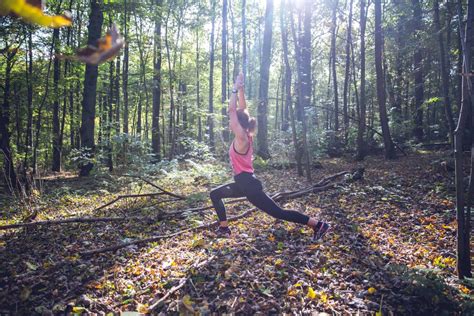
[{"x": 241, "y": 154}]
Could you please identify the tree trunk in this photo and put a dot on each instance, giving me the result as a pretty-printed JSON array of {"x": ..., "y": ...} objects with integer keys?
[
  {"x": 361, "y": 145},
  {"x": 347, "y": 73},
  {"x": 5, "y": 148},
  {"x": 444, "y": 74},
  {"x": 288, "y": 101},
  {"x": 381, "y": 94},
  {"x": 155, "y": 132},
  {"x": 110, "y": 101},
  {"x": 210, "y": 119},
  {"x": 225, "y": 126},
  {"x": 126, "y": 18},
  {"x": 56, "y": 164},
  {"x": 418, "y": 70},
  {"x": 198, "y": 90},
  {"x": 244, "y": 39},
  {"x": 262, "y": 134},
  {"x": 333, "y": 64},
  {"x": 29, "y": 83},
  {"x": 90, "y": 91},
  {"x": 463, "y": 205}
]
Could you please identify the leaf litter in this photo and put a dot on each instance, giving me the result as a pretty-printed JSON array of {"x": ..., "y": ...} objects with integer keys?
[{"x": 391, "y": 250}]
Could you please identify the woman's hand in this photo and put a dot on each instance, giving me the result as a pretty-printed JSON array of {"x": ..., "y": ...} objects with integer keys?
[{"x": 239, "y": 82}]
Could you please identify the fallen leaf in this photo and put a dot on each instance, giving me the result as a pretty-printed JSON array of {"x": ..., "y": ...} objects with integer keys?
[
  {"x": 311, "y": 293},
  {"x": 371, "y": 290}
]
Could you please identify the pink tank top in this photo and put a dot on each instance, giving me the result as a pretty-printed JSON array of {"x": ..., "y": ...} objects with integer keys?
[{"x": 241, "y": 162}]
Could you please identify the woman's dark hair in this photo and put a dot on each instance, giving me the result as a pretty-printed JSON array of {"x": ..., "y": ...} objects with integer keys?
[{"x": 246, "y": 121}]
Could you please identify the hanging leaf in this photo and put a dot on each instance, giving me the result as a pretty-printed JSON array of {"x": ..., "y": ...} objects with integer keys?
[
  {"x": 106, "y": 48},
  {"x": 32, "y": 12}
]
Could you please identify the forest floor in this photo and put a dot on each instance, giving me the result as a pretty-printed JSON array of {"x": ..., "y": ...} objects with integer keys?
[{"x": 391, "y": 249}]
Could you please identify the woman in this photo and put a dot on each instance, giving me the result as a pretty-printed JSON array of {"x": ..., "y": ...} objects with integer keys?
[{"x": 240, "y": 152}]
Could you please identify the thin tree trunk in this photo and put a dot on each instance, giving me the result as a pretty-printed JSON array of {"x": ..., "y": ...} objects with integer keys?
[
  {"x": 288, "y": 101},
  {"x": 155, "y": 132},
  {"x": 361, "y": 144},
  {"x": 418, "y": 70},
  {"x": 262, "y": 134},
  {"x": 444, "y": 74},
  {"x": 126, "y": 18},
  {"x": 29, "y": 83},
  {"x": 225, "y": 129},
  {"x": 56, "y": 163},
  {"x": 381, "y": 94},
  {"x": 244, "y": 39},
  {"x": 211, "y": 79},
  {"x": 333, "y": 64},
  {"x": 347, "y": 73},
  {"x": 198, "y": 89}
]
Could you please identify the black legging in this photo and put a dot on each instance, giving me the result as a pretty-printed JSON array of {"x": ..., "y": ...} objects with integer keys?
[{"x": 247, "y": 185}]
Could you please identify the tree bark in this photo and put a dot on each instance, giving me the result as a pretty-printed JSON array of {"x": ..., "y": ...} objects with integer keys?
[
  {"x": 210, "y": 118},
  {"x": 333, "y": 64},
  {"x": 56, "y": 164},
  {"x": 347, "y": 72},
  {"x": 90, "y": 91},
  {"x": 418, "y": 71},
  {"x": 381, "y": 94},
  {"x": 225, "y": 127},
  {"x": 155, "y": 131},
  {"x": 444, "y": 74},
  {"x": 462, "y": 208},
  {"x": 126, "y": 18},
  {"x": 5, "y": 148},
  {"x": 262, "y": 134},
  {"x": 361, "y": 145}
]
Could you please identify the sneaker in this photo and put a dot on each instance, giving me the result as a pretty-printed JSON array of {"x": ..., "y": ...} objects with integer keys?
[
  {"x": 223, "y": 232},
  {"x": 320, "y": 230}
]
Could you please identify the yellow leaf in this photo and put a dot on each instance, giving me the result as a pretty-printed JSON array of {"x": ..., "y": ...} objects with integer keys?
[
  {"x": 78, "y": 309},
  {"x": 311, "y": 293},
  {"x": 199, "y": 242},
  {"x": 371, "y": 290},
  {"x": 464, "y": 289},
  {"x": 142, "y": 308},
  {"x": 378, "y": 313},
  {"x": 33, "y": 14},
  {"x": 323, "y": 297},
  {"x": 188, "y": 303},
  {"x": 271, "y": 238},
  {"x": 278, "y": 262},
  {"x": 292, "y": 292}
]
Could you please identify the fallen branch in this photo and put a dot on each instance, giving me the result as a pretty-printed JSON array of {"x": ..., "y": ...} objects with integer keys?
[
  {"x": 77, "y": 220},
  {"x": 318, "y": 187},
  {"x": 155, "y": 303},
  {"x": 120, "y": 197},
  {"x": 155, "y": 186},
  {"x": 322, "y": 185},
  {"x": 156, "y": 238}
]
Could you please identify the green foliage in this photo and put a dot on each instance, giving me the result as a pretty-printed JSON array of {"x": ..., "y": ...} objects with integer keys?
[
  {"x": 259, "y": 163},
  {"x": 428, "y": 288}
]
